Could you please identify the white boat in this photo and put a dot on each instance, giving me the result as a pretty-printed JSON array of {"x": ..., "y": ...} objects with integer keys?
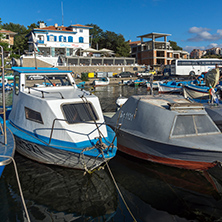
[
  {"x": 103, "y": 81},
  {"x": 155, "y": 85},
  {"x": 55, "y": 122},
  {"x": 120, "y": 101}
]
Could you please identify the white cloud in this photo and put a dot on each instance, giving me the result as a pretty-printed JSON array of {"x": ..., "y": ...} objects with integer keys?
[
  {"x": 197, "y": 30},
  {"x": 203, "y": 34}
]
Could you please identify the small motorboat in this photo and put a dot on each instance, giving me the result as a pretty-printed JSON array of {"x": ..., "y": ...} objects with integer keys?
[
  {"x": 103, "y": 81},
  {"x": 200, "y": 88},
  {"x": 7, "y": 141},
  {"x": 57, "y": 123},
  {"x": 171, "y": 86},
  {"x": 121, "y": 100},
  {"x": 167, "y": 129}
]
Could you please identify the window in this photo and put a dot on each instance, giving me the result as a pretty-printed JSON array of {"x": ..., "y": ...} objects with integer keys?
[
  {"x": 33, "y": 115},
  {"x": 55, "y": 38},
  {"x": 81, "y": 40},
  {"x": 61, "y": 38},
  {"x": 70, "y": 39},
  {"x": 81, "y": 30},
  {"x": 186, "y": 125},
  {"x": 51, "y": 38},
  {"x": 64, "y": 39},
  {"x": 79, "y": 112}
]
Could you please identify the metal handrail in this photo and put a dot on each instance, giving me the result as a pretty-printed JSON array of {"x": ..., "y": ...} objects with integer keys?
[
  {"x": 53, "y": 124},
  {"x": 44, "y": 92}
]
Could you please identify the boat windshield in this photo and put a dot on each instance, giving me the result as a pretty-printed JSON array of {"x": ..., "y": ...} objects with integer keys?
[
  {"x": 79, "y": 112},
  {"x": 47, "y": 80},
  {"x": 187, "y": 125}
]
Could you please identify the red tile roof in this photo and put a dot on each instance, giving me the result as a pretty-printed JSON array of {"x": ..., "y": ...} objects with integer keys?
[
  {"x": 63, "y": 28},
  {"x": 135, "y": 43},
  {"x": 7, "y": 31}
]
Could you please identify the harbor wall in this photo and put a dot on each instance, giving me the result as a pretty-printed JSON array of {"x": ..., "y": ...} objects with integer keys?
[{"x": 30, "y": 62}]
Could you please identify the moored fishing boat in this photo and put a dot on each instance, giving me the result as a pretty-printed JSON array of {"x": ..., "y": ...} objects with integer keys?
[
  {"x": 171, "y": 87},
  {"x": 169, "y": 130},
  {"x": 54, "y": 122}
]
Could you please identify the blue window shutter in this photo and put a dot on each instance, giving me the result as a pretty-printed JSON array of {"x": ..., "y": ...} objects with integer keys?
[
  {"x": 64, "y": 39},
  {"x": 60, "y": 38},
  {"x": 70, "y": 39},
  {"x": 47, "y": 37},
  {"x": 81, "y": 40},
  {"x": 55, "y": 38}
]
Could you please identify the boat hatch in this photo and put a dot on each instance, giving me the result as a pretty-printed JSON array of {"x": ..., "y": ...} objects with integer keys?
[
  {"x": 183, "y": 106},
  {"x": 188, "y": 125},
  {"x": 79, "y": 112}
]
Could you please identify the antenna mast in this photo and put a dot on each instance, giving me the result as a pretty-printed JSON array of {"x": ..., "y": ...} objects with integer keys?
[{"x": 62, "y": 11}]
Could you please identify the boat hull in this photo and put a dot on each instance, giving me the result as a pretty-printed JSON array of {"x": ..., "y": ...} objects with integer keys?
[
  {"x": 6, "y": 151},
  {"x": 172, "y": 155},
  {"x": 49, "y": 155},
  {"x": 166, "y": 89},
  {"x": 196, "y": 92}
]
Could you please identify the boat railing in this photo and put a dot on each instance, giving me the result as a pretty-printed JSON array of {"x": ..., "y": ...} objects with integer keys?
[
  {"x": 44, "y": 92},
  {"x": 53, "y": 126},
  {"x": 3, "y": 110}
]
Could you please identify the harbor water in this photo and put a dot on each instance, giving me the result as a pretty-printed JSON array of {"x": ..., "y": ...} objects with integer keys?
[{"x": 153, "y": 192}]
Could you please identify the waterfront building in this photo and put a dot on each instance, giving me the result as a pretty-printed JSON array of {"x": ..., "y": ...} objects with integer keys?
[
  {"x": 8, "y": 37},
  {"x": 59, "y": 40},
  {"x": 155, "y": 53},
  {"x": 197, "y": 54}
]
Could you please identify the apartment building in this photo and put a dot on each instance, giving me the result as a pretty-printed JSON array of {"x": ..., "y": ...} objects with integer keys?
[{"x": 156, "y": 52}]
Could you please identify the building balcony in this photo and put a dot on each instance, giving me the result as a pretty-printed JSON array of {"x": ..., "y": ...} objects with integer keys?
[{"x": 40, "y": 41}]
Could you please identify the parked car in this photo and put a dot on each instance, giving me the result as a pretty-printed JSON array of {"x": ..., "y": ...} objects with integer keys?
[
  {"x": 124, "y": 75},
  {"x": 35, "y": 77},
  {"x": 146, "y": 73}
]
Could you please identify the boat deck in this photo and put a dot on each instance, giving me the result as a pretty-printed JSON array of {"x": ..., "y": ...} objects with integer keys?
[{"x": 168, "y": 102}]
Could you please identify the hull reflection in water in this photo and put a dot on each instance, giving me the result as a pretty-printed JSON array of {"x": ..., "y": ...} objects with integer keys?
[
  {"x": 159, "y": 192},
  {"x": 61, "y": 194}
]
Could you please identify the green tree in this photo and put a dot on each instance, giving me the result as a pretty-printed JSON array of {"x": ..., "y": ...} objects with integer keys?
[
  {"x": 95, "y": 35},
  {"x": 175, "y": 46},
  {"x": 109, "y": 40}
]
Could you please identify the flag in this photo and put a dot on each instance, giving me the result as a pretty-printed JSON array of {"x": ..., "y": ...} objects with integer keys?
[{"x": 213, "y": 94}]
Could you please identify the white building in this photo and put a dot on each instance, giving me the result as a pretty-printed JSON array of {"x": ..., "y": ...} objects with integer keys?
[{"x": 59, "y": 40}]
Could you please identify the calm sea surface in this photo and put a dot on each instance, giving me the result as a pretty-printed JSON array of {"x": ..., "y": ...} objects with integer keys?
[{"x": 153, "y": 192}]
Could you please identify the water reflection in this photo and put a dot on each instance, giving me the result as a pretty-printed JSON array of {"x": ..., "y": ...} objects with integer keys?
[
  {"x": 155, "y": 192},
  {"x": 61, "y": 194},
  {"x": 108, "y": 94}
]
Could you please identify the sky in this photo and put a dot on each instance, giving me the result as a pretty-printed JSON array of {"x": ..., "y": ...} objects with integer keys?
[{"x": 192, "y": 23}]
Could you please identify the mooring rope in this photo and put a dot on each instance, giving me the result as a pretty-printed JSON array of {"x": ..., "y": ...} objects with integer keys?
[
  {"x": 19, "y": 185},
  {"x": 120, "y": 193}
]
